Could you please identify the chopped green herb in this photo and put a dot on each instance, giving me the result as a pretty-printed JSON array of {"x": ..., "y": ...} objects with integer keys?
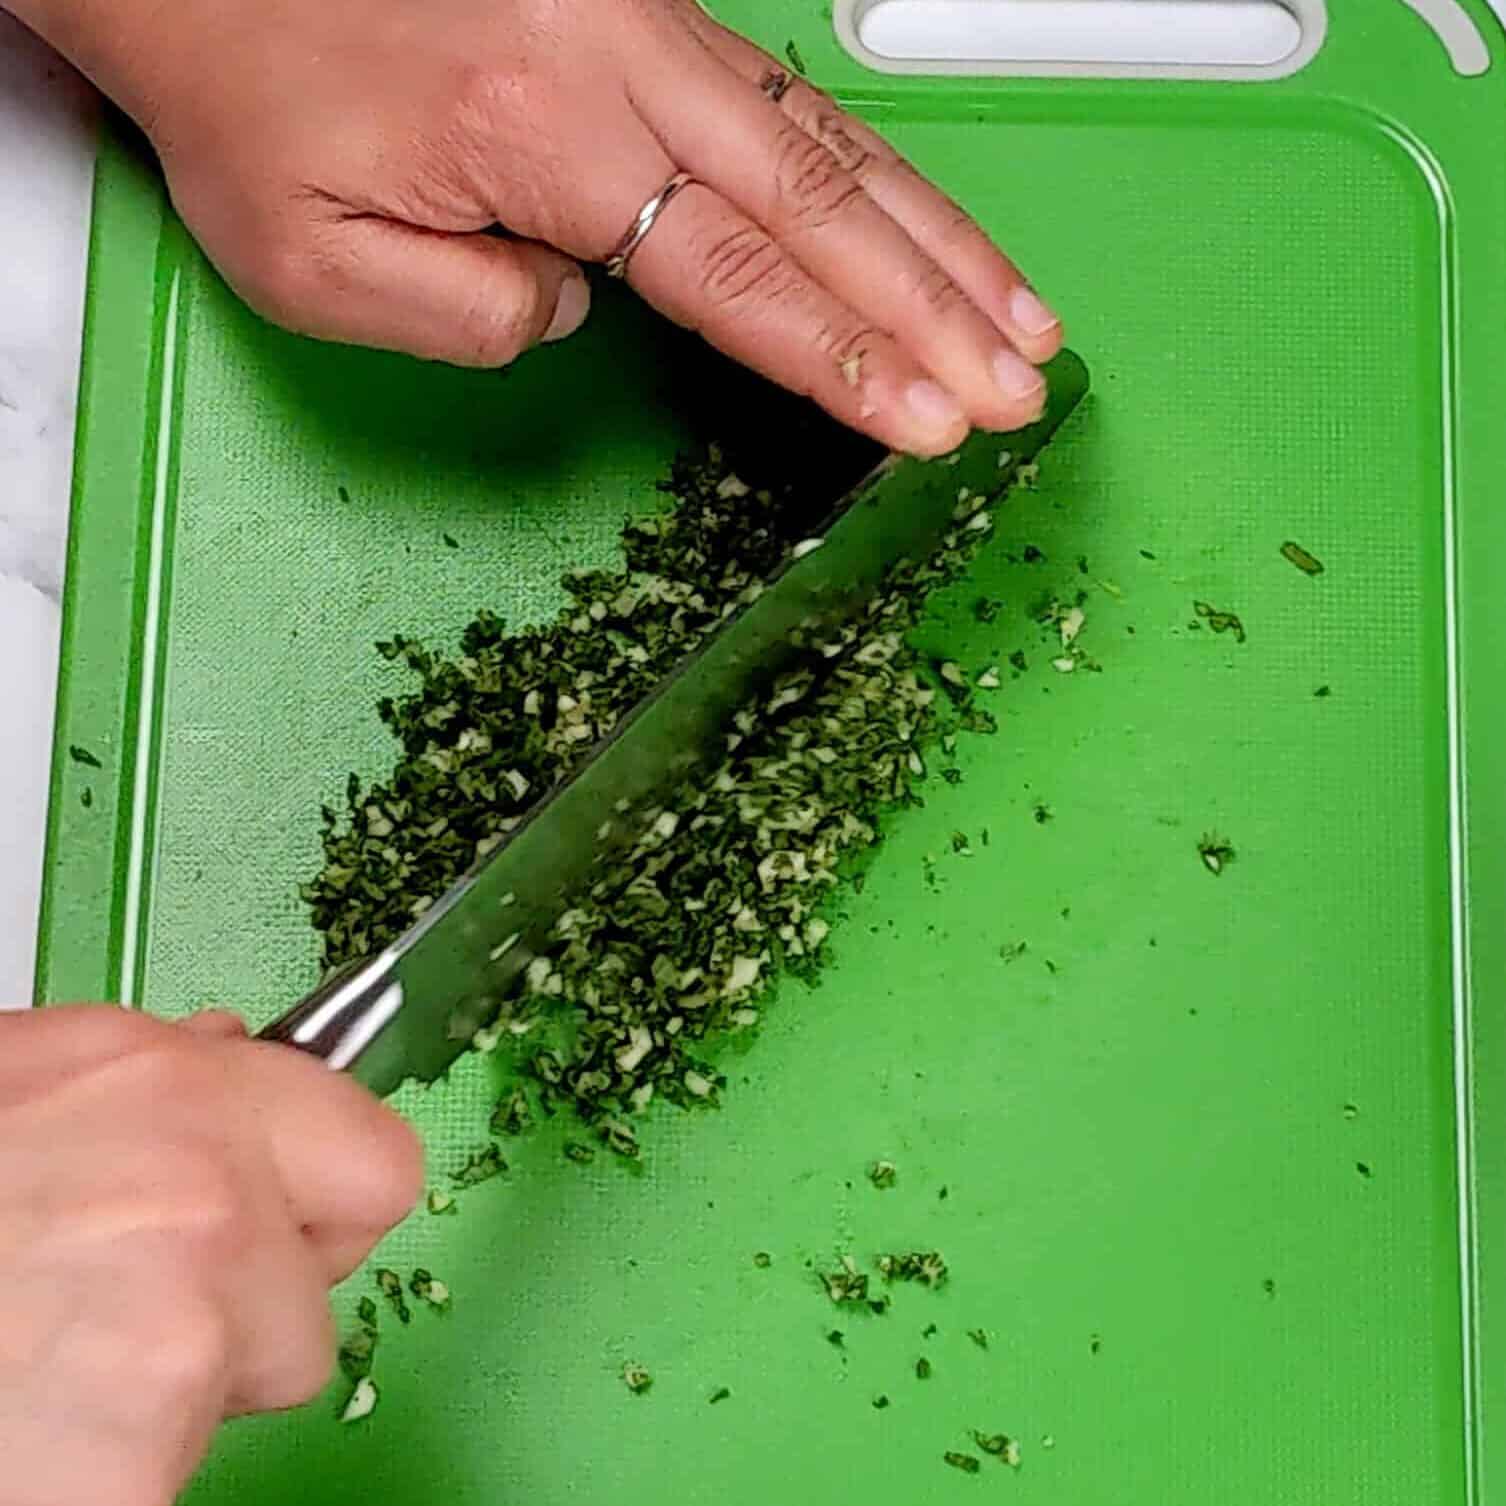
[
  {"x": 86, "y": 799},
  {"x": 442, "y": 1202},
  {"x": 1220, "y": 622},
  {"x": 722, "y": 1393},
  {"x": 84, "y": 756},
  {"x": 427, "y": 1289},
  {"x": 1351, "y": 1111},
  {"x": 793, "y": 54},
  {"x": 1305, "y": 562},
  {"x": 513, "y": 1115},
  {"x": 1095, "y": 1344},
  {"x": 636, "y": 1378},
  {"x": 979, "y": 1337},
  {"x": 1216, "y": 853},
  {"x": 927, "y": 1267},
  {"x": 1033, "y": 556},
  {"x": 579, "y": 1152},
  {"x": 880, "y": 1402},
  {"x": 846, "y": 1284},
  {"x": 922, "y": 1368},
  {"x": 969, "y": 1464},
  {"x": 1323, "y": 692},
  {"x": 358, "y": 1349},
  {"x": 343, "y": 493},
  {"x": 366, "y": 1311},
  {"x": 1043, "y": 814},
  {"x": 620, "y": 1137},
  {"x": 763, "y": 1260},
  {"x": 1363, "y": 1168},
  {"x": 391, "y": 1287},
  {"x": 883, "y": 1174},
  {"x": 991, "y": 1443},
  {"x": 687, "y": 928},
  {"x": 929, "y": 1331},
  {"x": 836, "y": 1338},
  {"x": 450, "y": 541},
  {"x": 961, "y": 845},
  {"x": 987, "y": 608},
  {"x": 481, "y": 1167},
  {"x": 1268, "y": 1286}
]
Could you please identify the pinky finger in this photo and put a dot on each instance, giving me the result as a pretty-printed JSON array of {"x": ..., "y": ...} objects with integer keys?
[{"x": 712, "y": 269}]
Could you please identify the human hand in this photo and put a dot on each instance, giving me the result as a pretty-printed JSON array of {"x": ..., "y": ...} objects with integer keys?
[
  {"x": 175, "y": 1203},
  {"x": 338, "y": 160}
]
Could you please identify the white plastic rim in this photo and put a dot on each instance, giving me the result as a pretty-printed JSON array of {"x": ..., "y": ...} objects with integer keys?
[
  {"x": 1233, "y": 39},
  {"x": 1179, "y": 33}
]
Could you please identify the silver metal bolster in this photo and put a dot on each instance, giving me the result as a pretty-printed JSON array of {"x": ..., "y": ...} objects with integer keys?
[{"x": 341, "y": 1019}]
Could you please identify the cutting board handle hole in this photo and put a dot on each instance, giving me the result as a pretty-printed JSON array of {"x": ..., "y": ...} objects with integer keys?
[{"x": 1239, "y": 39}]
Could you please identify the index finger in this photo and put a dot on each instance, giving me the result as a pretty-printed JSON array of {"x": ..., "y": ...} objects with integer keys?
[{"x": 934, "y": 221}]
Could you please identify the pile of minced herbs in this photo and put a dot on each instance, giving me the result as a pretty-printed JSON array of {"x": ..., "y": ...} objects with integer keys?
[{"x": 683, "y": 935}]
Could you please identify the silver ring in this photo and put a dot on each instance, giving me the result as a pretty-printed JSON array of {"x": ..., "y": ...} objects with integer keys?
[
  {"x": 648, "y": 217},
  {"x": 777, "y": 84}
]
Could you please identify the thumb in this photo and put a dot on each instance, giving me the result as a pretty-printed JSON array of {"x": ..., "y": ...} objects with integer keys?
[{"x": 471, "y": 300}]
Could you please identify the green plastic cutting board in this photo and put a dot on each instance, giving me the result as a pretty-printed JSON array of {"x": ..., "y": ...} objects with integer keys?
[{"x": 1218, "y": 1163}]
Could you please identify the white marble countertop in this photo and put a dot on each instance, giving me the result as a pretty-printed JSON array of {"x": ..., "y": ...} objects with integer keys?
[{"x": 47, "y": 116}]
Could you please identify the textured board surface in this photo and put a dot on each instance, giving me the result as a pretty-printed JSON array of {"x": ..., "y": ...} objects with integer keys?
[{"x": 1202, "y": 1277}]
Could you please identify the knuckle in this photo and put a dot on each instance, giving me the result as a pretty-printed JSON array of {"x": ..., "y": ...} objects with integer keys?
[
  {"x": 938, "y": 290},
  {"x": 187, "y": 1352},
  {"x": 299, "y": 1367},
  {"x": 810, "y": 182},
  {"x": 840, "y": 138},
  {"x": 744, "y": 265}
]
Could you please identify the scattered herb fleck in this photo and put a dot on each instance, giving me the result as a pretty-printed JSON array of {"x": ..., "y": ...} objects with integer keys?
[
  {"x": 979, "y": 1337},
  {"x": 1308, "y": 564},
  {"x": 513, "y": 1115},
  {"x": 1323, "y": 692},
  {"x": 1268, "y": 1286},
  {"x": 1220, "y": 622},
  {"x": 1363, "y": 1168},
  {"x": 846, "y": 1284},
  {"x": 1216, "y": 853},
  {"x": 1351, "y": 1111},
  {"x": 880, "y": 1402},
  {"x": 636, "y": 1378},
  {"x": 987, "y": 608},
  {"x": 442, "y": 1202},
  {"x": 450, "y": 541},
  {"x": 429, "y": 1289},
  {"x": 883, "y": 1174},
  {"x": 792, "y": 52},
  {"x": 482, "y": 1167},
  {"x": 391, "y": 1286},
  {"x": 922, "y": 1368},
  {"x": 1043, "y": 814},
  {"x": 579, "y": 1152},
  {"x": 763, "y": 1260},
  {"x": 84, "y": 756},
  {"x": 837, "y": 1339},
  {"x": 927, "y": 1267},
  {"x": 967, "y": 1463},
  {"x": 1012, "y": 951},
  {"x": 86, "y": 799},
  {"x": 722, "y": 1393}
]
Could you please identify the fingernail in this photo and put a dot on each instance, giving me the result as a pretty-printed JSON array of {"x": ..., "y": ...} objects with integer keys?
[
  {"x": 571, "y": 309},
  {"x": 1017, "y": 379},
  {"x": 938, "y": 411},
  {"x": 1029, "y": 314}
]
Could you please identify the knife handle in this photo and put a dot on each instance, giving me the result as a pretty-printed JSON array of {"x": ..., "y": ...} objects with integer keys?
[{"x": 340, "y": 1020}]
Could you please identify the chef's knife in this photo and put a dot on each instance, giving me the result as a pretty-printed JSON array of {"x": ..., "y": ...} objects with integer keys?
[{"x": 412, "y": 1010}]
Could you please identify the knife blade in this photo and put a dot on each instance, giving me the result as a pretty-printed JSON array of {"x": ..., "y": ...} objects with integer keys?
[{"x": 412, "y": 1010}]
